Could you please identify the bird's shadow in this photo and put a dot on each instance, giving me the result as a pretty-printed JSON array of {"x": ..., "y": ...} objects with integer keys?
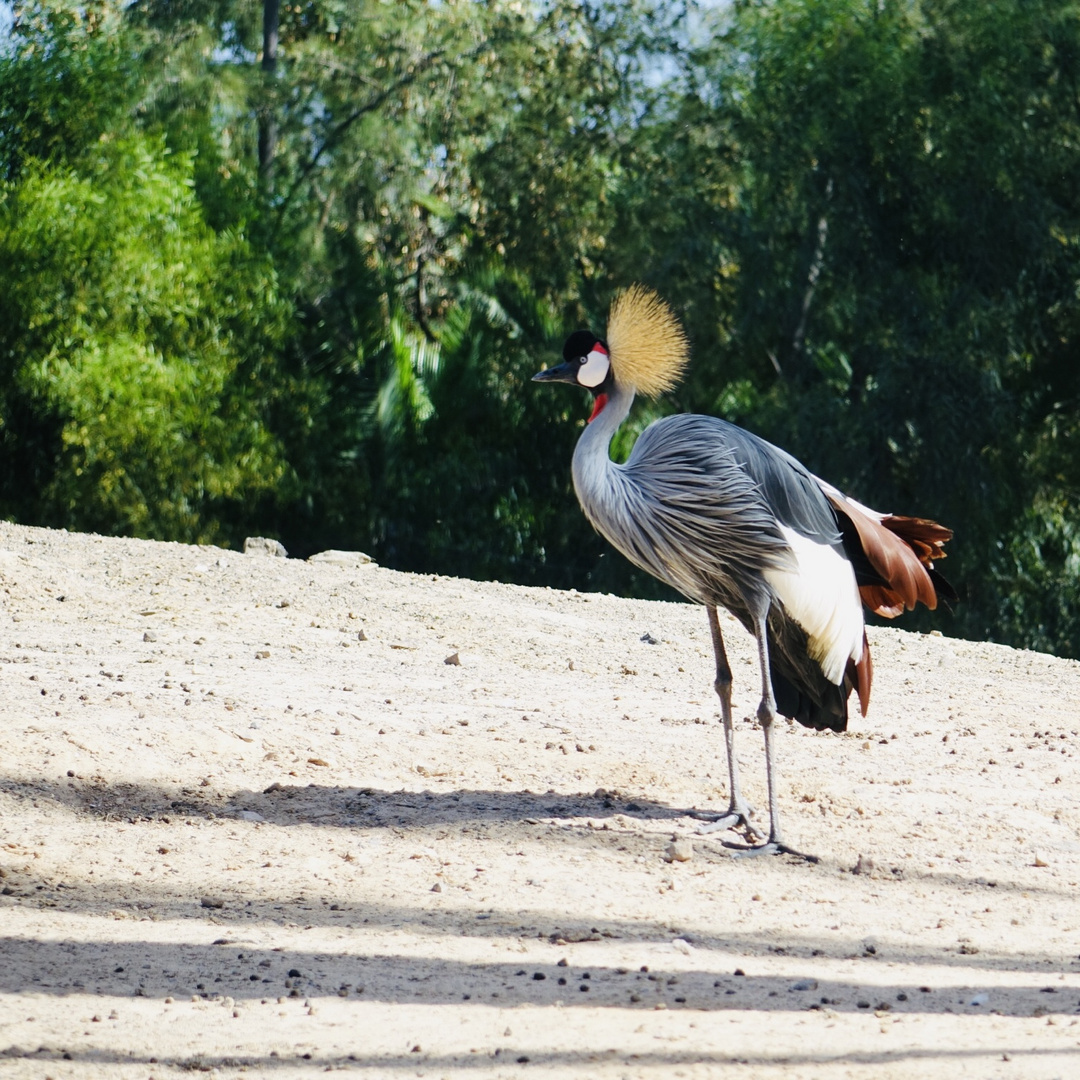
[{"x": 333, "y": 805}]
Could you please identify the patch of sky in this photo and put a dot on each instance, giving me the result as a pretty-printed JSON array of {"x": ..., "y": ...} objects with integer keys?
[
  {"x": 7, "y": 25},
  {"x": 232, "y": 50}
]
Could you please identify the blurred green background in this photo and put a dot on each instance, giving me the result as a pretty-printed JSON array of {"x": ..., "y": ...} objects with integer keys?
[{"x": 299, "y": 290}]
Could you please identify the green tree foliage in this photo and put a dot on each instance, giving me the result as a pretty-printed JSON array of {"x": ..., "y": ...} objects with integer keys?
[
  {"x": 866, "y": 212},
  {"x": 132, "y": 336},
  {"x": 436, "y": 206},
  {"x": 907, "y": 247}
]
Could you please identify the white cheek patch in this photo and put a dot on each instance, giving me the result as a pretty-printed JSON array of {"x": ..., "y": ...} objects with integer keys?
[{"x": 595, "y": 369}]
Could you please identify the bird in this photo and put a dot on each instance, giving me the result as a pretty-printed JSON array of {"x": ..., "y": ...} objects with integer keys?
[{"x": 730, "y": 520}]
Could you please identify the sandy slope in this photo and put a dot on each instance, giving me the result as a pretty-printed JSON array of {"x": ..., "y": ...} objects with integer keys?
[{"x": 236, "y": 838}]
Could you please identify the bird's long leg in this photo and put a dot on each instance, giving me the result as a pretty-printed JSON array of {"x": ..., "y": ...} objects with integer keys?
[
  {"x": 767, "y": 718},
  {"x": 738, "y": 812}
]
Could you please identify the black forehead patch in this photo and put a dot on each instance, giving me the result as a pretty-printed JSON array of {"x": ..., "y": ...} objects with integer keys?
[{"x": 580, "y": 344}]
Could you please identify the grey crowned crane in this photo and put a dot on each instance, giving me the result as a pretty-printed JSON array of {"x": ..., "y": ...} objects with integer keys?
[{"x": 730, "y": 520}]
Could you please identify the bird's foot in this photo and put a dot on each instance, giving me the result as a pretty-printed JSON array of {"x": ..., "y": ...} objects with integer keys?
[
  {"x": 770, "y": 847},
  {"x": 733, "y": 817}
]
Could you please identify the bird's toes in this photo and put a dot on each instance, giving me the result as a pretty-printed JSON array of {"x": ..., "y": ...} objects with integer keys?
[
  {"x": 718, "y": 823},
  {"x": 733, "y": 818},
  {"x": 772, "y": 847}
]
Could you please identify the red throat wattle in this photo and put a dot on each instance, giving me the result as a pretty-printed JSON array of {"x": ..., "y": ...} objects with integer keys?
[{"x": 601, "y": 401}]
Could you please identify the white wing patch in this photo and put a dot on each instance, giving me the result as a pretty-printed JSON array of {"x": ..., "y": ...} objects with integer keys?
[
  {"x": 825, "y": 486},
  {"x": 822, "y": 597}
]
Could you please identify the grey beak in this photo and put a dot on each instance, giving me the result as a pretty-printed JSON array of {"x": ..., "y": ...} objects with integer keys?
[{"x": 564, "y": 372}]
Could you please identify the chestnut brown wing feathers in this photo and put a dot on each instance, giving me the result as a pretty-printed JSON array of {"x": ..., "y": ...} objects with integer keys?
[
  {"x": 900, "y": 550},
  {"x": 864, "y": 676},
  {"x": 926, "y": 538}
]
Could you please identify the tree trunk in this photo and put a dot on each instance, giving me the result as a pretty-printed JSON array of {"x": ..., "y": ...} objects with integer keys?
[
  {"x": 267, "y": 120},
  {"x": 816, "y": 261}
]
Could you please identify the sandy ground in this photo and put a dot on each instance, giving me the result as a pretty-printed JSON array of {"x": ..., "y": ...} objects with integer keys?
[{"x": 253, "y": 823}]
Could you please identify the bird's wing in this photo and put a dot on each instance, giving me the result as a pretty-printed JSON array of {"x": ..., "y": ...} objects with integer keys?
[
  {"x": 789, "y": 488},
  {"x": 893, "y": 555},
  {"x": 696, "y": 511},
  {"x": 728, "y": 511},
  {"x": 730, "y": 462},
  {"x": 705, "y": 502}
]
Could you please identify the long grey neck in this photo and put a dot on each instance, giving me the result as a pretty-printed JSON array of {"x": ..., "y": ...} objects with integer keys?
[{"x": 593, "y": 468}]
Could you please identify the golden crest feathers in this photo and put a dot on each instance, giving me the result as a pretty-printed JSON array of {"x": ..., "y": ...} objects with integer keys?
[{"x": 649, "y": 350}]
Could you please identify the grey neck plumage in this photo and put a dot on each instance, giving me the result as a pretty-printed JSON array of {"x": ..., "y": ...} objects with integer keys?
[{"x": 596, "y": 476}]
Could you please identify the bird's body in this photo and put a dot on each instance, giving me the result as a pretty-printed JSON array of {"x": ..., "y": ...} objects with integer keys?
[{"x": 731, "y": 521}]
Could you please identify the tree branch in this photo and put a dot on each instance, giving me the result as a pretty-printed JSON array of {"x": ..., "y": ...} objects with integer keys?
[
  {"x": 339, "y": 130},
  {"x": 812, "y": 275}
]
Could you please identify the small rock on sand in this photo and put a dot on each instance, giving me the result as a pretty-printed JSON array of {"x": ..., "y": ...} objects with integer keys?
[
  {"x": 262, "y": 545},
  {"x": 680, "y": 850}
]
